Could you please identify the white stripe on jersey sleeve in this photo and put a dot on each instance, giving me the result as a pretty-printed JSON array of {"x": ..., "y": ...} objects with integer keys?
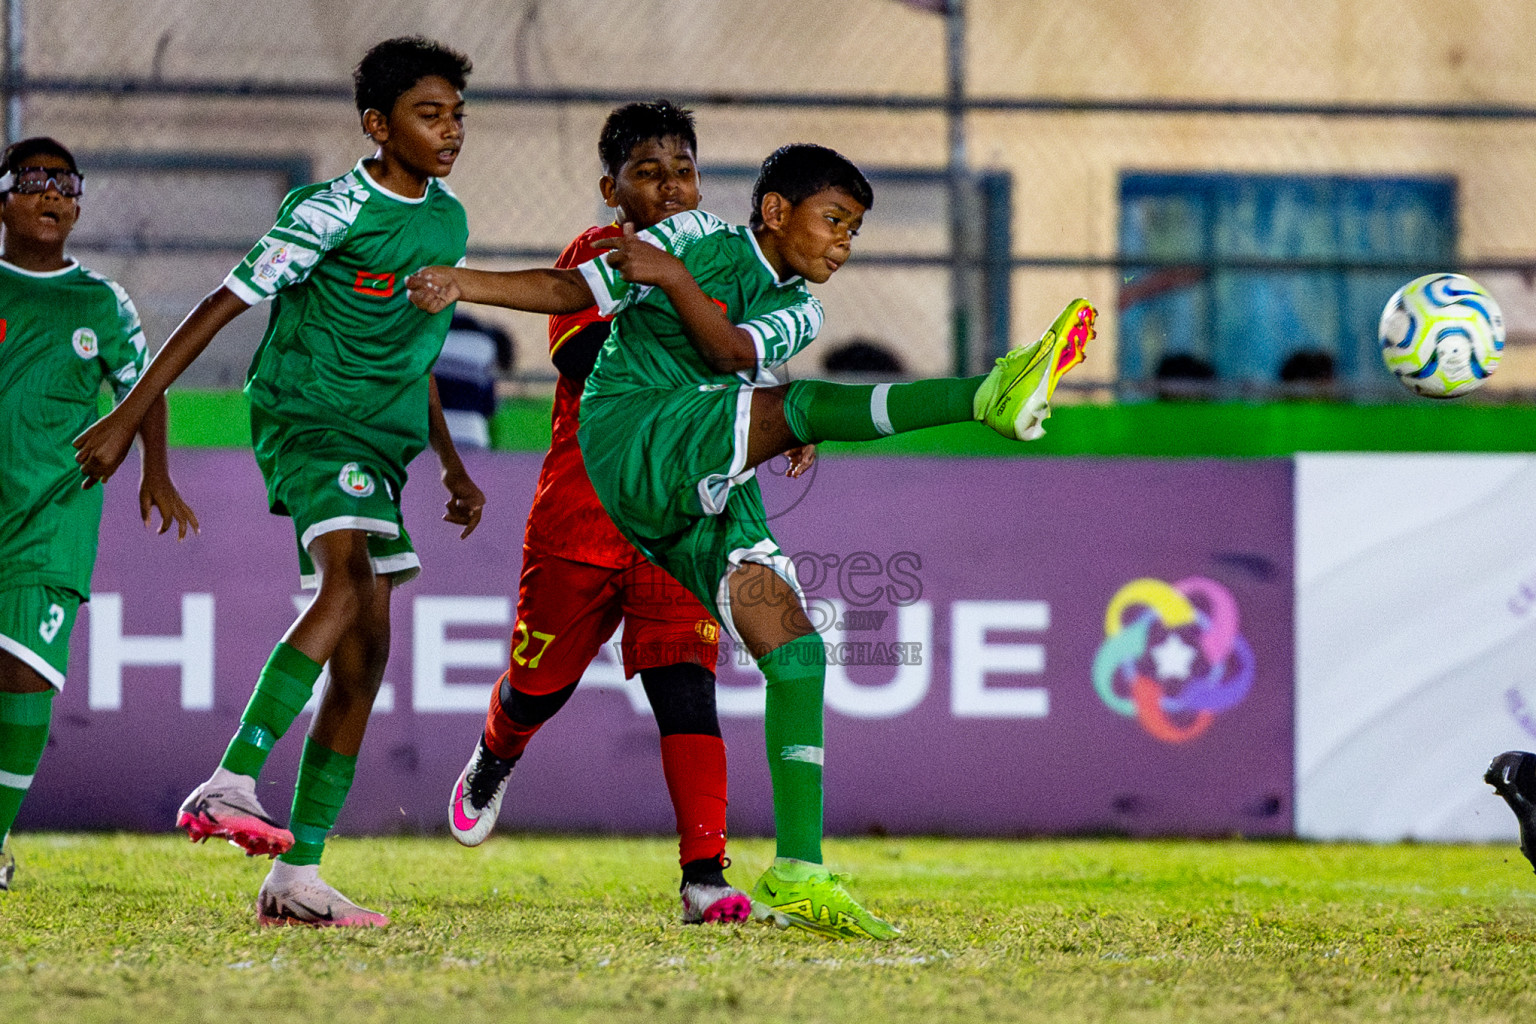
[
  {"x": 760, "y": 343},
  {"x": 609, "y": 290},
  {"x": 286, "y": 254},
  {"x": 782, "y": 333}
]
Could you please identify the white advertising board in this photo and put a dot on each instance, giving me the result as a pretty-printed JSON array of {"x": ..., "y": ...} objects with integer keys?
[{"x": 1415, "y": 642}]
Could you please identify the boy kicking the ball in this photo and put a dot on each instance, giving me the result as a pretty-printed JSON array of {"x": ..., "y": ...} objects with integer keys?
[
  {"x": 341, "y": 402},
  {"x": 682, "y": 407},
  {"x": 581, "y": 578},
  {"x": 66, "y": 331}
]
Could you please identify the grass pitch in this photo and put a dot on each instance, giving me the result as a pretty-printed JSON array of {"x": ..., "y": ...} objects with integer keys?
[{"x": 134, "y": 928}]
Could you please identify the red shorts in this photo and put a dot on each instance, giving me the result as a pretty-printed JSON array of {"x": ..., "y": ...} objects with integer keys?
[{"x": 567, "y": 610}]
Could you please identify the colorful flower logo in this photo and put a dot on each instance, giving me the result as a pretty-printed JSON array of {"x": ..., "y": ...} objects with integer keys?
[{"x": 1172, "y": 656}]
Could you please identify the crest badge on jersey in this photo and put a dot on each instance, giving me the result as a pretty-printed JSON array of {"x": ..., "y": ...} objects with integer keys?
[
  {"x": 84, "y": 341},
  {"x": 271, "y": 263},
  {"x": 355, "y": 480}
]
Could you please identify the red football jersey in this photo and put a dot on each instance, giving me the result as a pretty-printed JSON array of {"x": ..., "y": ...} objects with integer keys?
[{"x": 567, "y": 519}]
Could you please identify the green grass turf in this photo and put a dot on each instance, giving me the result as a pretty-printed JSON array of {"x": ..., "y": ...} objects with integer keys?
[{"x": 104, "y": 928}]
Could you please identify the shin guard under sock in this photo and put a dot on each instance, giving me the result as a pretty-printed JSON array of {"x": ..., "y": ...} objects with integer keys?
[
  {"x": 792, "y": 728},
  {"x": 325, "y": 777},
  {"x": 24, "y": 721},
  {"x": 282, "y": 690},
  {"x": 819, "y": 410},
  {"x": 695, "y": 770}
]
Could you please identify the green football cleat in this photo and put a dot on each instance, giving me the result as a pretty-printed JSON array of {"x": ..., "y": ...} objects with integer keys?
[
  {"x": 818, "y": 904},
  {"x": 1016, "y": 396}
]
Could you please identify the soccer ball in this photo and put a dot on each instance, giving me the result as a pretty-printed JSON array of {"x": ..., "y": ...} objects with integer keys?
[{"x": 1442, "y": 335}]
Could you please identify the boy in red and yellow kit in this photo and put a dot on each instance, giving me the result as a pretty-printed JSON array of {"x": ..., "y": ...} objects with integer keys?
[{"x": 581, "y": 578}]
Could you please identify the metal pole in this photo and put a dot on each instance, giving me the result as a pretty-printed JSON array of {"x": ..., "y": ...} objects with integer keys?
[
  {"x": 13, "y": 70},
  {"x": 959, "y": 248}
]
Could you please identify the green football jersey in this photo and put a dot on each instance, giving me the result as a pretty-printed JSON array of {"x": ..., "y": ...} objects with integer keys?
[
  {"x": 62, "y": 334},
  {"x": 345, "y": 349},
  {"x": 647, "y": 347}
]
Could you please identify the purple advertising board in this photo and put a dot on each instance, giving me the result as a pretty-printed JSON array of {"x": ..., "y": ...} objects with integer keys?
[{"x": 1017, "y": 647}]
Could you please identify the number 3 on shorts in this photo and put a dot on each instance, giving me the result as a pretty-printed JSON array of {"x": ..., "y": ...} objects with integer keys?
[{"x": 522, "y": 631}]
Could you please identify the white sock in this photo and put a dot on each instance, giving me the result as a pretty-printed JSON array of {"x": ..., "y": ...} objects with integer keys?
[
  {"x": 285, "y": 874},
  {"x": 224, "y": 777}
]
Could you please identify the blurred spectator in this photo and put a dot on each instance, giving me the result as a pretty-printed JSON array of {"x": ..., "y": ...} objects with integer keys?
[
  {"x": 861, "y": 355},
  {"x": 1308, "y": 366},
  {"x": 1184, "y": 375},
  {"x": 466, "y": 373}
]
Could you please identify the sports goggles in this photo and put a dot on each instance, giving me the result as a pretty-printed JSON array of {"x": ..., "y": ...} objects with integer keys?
[{"x": 28, "y": 181}]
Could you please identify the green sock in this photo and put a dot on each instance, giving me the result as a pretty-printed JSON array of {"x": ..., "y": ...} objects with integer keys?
[
  {"x": 324, "y": 779},
  {"x": 792, "y": 728},
  {"x": 282, "y": 690},
  {"x": 24, "y": 719},
  {"x": 820, "y": 410}
]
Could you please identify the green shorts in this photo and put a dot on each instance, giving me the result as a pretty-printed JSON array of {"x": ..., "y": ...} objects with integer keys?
[
  {"x": 668, "y": 465},
  {"x": 35, "y": 623},
  {"x": 325, "y": 484}
]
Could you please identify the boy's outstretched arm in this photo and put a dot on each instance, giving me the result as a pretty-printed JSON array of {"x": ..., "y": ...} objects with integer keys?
[
  {"x": 724, "y": 347},
  {"x": 465, "y": 500},
  {"x": 102, "y": 447},
  {"x": 156, "y": 489},
  {"x": 551, "y": 291}
]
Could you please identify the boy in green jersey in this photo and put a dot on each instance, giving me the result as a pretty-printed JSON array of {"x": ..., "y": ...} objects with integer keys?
[
  {"x": 341, "y": 402},
  {"x": 64, "y": 331},
  {"x": 683, "y": 405}
]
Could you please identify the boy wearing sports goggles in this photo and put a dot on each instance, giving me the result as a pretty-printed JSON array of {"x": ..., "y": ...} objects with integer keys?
[
  {"x": 35, "y": 179},
  {"x": 64, "y": 331}
]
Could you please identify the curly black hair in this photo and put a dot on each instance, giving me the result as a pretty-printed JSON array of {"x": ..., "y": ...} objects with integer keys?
[
  {"x": 801, "y": 169},
  {"x": 634, "y": 123},
  {"x": 392, "y": 67},
  {"x": 18, "y": 153}
]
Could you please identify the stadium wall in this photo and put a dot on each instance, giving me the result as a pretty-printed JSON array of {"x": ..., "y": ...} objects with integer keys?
[
  {"x": 1415, "y": 641},
  {"x": 529, "y": 173}
]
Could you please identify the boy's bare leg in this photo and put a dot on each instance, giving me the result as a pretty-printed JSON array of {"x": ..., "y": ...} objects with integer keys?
[
  {"x": 768, "y": 434},
  {"x": 357, "y": 669},
  {"x": 765, "y": 608},
  {"x": 345, "y": 597},
  {"x": 16, "y": 676}
]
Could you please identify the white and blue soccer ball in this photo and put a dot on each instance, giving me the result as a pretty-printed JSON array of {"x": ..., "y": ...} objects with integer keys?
[{"x": 1442, "y": 335}]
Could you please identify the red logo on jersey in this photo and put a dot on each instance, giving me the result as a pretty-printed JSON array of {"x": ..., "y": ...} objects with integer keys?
[
  {"x": 380, "y": 285},
  {"x": 2, "y": 330},
  {"x": 717, "y": 302}
]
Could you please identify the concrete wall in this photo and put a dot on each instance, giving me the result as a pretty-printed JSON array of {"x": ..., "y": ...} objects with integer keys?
[{"x": 528, "y": 176}]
